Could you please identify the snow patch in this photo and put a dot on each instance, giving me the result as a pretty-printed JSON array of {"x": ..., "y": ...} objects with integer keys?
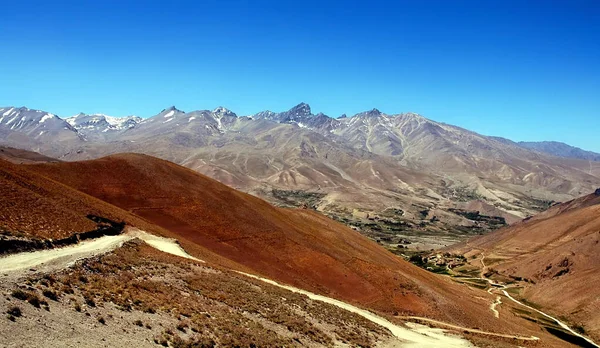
[
  {"x": 46, "y": 117},
  {"x": 12, "y": 120},
  {"x": 170, "y": 114},
  {"x": 8, "y": 112},
  {"x": 71, "y": 120}
]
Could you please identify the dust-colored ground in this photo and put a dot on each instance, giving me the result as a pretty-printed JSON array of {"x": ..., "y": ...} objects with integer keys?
[
  {"x": 138, "y": 294},
  {"x": 553, "y": 258}
]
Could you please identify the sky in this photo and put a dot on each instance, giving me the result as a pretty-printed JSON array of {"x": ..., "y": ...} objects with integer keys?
[{"x": 524, "y": 70}]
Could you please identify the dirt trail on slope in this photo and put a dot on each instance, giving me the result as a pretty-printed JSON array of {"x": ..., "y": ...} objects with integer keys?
[
  {"x": 503, "y": 287},
  {"x": 61, "y": 257},
  {"x": 476, "y": 331},
  {"x": 167, "y": 245},
  {"x": 418, "y": 336},
  {"x": 48, "y": 260},
  {"x": 52, "y": 259}
]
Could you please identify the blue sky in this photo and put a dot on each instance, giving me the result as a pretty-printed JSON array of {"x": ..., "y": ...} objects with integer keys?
[{"x": 526, "y": 70}]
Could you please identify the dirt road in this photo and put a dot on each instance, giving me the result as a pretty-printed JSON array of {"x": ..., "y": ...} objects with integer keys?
[
  {"x": 61, "y": 257},
  {"x": 456, "y": 327},
  {"x": 503, "y": 287},
  {"x": 422, "y": 336},
  {"x": 58, "y": 258}
]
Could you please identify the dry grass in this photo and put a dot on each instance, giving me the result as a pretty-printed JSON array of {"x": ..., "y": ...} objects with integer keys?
[{"x": 211, "y": 307}]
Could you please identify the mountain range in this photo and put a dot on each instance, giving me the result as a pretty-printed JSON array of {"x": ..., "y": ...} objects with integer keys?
[
  {"x": 230, "y": 276},
  {"x": 559, "y": 149},
  {"x": 390, "y": 176}
]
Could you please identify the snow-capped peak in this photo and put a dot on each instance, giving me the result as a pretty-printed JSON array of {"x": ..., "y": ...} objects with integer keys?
[
  {"x": 102, "y": 122},
  {"x": 47, "y": 117},
  {"x": 223, "y": 111}
]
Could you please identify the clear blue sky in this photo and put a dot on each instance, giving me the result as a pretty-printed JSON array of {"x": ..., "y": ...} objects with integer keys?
[{"x": 526, "y": 70}]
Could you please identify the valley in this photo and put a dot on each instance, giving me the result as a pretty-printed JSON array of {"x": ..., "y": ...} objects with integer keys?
[
  {"x": 164, "y": 181},
  {"x": 127, "y": 284},
  {"x": 394, "y": 178}
]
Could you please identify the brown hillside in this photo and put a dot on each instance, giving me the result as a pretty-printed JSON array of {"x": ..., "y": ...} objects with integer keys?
[
  {"x": 299, "y": 247},
  {"x": 559, "y": 253},
  {"x": 36, "y": 206},
  {"x": 23, "y": 156}
]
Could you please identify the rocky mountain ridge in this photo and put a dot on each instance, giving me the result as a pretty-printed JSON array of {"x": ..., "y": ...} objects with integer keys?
[{"x": 352, "y": 168}]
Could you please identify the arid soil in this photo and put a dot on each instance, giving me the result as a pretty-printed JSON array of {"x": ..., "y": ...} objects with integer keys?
[
  {"x": 23, "y": 156},
  {"x": 554, "y": 257},
  {"x": 293, "y": 246},
  {"x": 140, "y": 294},
  {"x": 233, "y": 230}
]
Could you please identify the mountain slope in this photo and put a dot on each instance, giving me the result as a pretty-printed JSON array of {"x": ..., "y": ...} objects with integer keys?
[
  {"x": 498, "y": 170},
  {"x": 409, "y": 173},
  {"x": 37, "y": 130},
  {"x": 559, "y": 149},
  {"x": 229, "y": 230},
  {"x": 558, "y": 253},
  {"x": 298, "y": 247},
  {"x": 101, "y": 127},
  {"x": 23, "y": 156},
  {"x": 36, "y": 206},
  {"x": 104, "y": 299},
  {"x": 261, "y": 156}
]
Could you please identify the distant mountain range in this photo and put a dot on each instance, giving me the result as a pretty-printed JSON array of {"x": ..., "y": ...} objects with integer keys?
[
  {"x": 560, "y": 149},
  {"x": 101, "y": 126},
  {"x": 369, "y": 164}
]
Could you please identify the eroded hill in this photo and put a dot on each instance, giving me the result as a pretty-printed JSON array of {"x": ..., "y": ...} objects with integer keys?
[{"x": 553, "y": 257}]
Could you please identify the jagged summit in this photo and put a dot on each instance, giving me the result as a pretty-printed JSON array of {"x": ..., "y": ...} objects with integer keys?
[
  {"x": 171, "y": 108},
  {"x": 371, "y": 113},
  {"x": 94, "y": 125},
  {"x": 223, "y": 111},
  {"x": 301, "y": 109},
  {"x": 298, "y": 113}
]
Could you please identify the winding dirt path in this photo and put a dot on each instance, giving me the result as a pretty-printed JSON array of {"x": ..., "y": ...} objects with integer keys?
[
  {"x": 503, "y": 287},
  {"x": 415, "y": 336},
  {"x": 494, "y": 305},
  {"x": 476, "y": 331},
  {"x": 48, "y": 260},
  {"x": 411, "y": 335},
  {"x": 63, "y": 257}
]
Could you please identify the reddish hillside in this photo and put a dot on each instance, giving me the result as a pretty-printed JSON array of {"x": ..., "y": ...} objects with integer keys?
[
  {"x": 299, "y": 247},
  {"x": 35, "y": 206},
  {"x": 558, "y": 252},
  {"x": 23, "y": 156}
]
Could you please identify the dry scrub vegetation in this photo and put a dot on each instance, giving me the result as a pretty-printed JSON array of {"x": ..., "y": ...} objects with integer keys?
[{"x": 206, "y": 306}]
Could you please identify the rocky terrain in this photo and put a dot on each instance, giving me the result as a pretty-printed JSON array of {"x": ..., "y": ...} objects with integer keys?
[
  {"x": 553, "y": 257},
  {"x": 561, "y": 150},
  {"x": 140, "y": 293},
  {"x": 101, "y": 127},
  {"x": 421, "y": 180}
]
